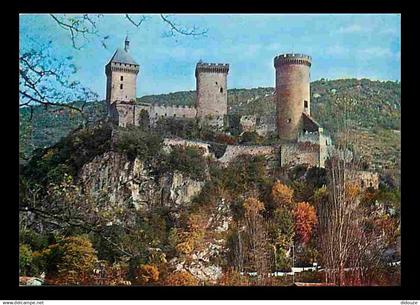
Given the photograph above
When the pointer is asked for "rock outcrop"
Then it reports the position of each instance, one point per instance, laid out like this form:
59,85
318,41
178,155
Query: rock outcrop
122,180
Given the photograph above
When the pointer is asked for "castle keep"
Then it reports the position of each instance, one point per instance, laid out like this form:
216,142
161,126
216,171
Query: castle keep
301,139
121,75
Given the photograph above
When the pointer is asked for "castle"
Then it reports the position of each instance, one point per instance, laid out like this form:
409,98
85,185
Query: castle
301,140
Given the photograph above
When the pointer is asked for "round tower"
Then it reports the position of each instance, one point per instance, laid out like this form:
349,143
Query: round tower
211,85
292,93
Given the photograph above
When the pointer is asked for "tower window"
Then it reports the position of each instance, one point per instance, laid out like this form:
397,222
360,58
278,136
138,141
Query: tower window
305,103
221,90
122,78
121,86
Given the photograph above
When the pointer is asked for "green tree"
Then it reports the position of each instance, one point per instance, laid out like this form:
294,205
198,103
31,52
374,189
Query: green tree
25,259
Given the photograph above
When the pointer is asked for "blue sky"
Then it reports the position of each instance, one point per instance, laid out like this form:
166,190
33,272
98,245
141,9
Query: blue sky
341,46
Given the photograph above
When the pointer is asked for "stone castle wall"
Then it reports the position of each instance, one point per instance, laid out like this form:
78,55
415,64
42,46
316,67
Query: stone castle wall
367,179
201,145
300,153
232,151
124,113
157,111
248,123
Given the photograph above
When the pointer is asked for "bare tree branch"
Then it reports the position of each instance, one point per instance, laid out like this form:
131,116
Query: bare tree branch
138,23
77,26
45,80
176,28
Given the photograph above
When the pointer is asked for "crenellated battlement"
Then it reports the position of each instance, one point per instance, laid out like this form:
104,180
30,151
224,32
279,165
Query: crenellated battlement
299,59
211,67
164,106
121,67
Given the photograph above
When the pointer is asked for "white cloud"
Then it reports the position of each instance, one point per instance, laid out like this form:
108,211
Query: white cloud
352,28
336,50
390,31
377,52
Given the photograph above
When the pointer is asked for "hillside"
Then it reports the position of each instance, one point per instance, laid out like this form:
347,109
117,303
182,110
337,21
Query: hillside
373,110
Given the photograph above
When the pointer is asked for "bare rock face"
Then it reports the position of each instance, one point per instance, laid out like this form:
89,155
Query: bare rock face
183,189
203,263
120,180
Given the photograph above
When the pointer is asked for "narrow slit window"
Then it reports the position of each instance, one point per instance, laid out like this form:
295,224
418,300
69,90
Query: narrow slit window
221,90
305,103
121,86
122,78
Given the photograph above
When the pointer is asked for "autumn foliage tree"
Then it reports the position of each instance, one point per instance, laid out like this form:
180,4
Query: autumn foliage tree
255,236
282,195
180,278
147,274
305,220
74,259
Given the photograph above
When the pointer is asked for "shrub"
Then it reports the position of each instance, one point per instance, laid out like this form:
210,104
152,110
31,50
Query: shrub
68,155
218,149
188,160
147,274
233,278
71,261
137,142
180,278
25,259
250,137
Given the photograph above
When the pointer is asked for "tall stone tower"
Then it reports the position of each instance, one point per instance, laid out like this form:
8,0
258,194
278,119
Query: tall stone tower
121,75
292,93
211,86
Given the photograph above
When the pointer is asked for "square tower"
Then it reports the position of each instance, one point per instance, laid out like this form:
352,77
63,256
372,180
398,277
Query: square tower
121,73
211,86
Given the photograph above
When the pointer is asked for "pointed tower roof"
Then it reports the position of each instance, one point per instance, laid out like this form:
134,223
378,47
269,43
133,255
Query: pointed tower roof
121,56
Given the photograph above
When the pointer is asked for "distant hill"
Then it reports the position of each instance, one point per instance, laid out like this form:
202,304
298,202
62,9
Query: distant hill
373,111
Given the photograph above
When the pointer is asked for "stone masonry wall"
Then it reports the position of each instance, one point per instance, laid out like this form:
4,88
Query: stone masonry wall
300,153
157,111
232,151
248,123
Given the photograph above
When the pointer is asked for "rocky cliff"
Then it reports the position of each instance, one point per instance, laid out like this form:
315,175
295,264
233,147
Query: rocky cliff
121,180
